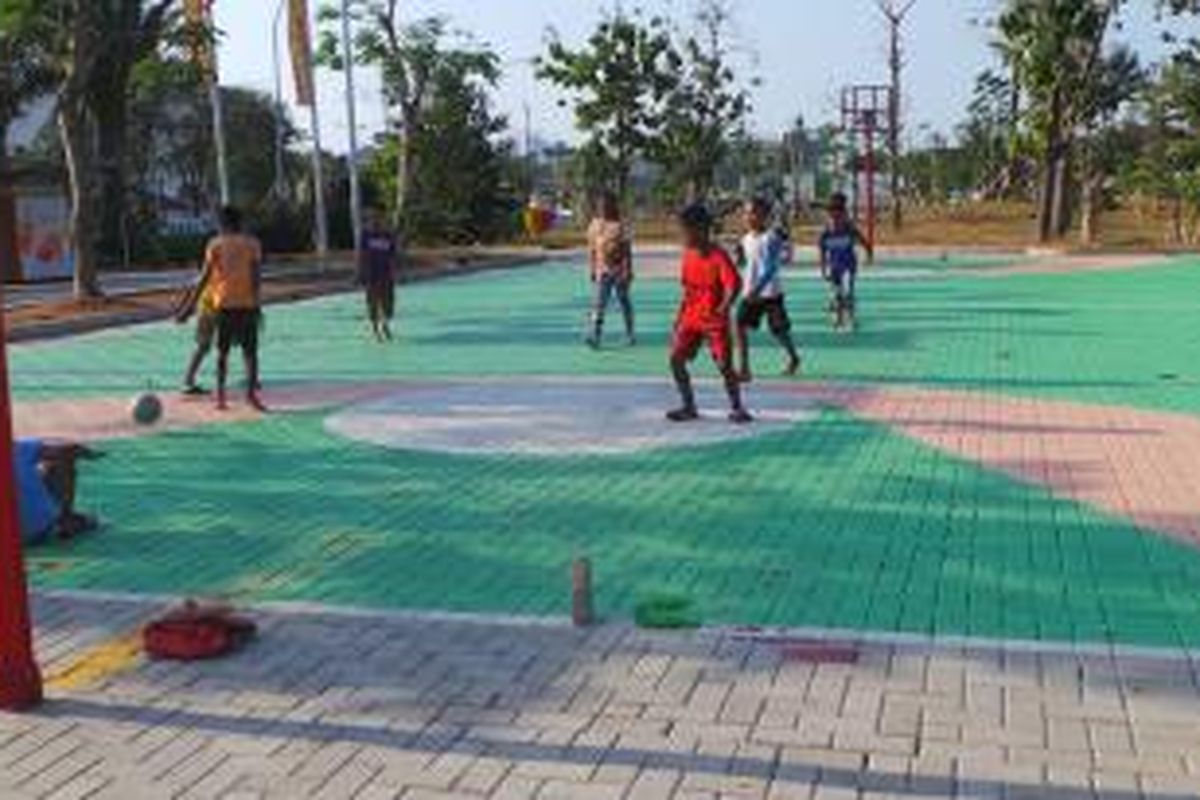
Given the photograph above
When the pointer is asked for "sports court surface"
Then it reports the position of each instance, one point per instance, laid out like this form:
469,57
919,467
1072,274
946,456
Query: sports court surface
957,559
1003,451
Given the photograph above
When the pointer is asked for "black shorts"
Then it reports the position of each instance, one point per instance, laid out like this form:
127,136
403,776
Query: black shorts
751,314
238,327
381,300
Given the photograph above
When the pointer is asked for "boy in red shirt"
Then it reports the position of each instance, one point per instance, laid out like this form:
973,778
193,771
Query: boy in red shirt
711,285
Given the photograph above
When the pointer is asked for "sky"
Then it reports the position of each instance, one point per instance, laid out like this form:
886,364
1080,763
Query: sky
803,51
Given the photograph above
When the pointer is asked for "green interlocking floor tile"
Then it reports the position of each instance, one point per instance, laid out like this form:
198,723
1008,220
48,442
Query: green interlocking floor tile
281,510
835,523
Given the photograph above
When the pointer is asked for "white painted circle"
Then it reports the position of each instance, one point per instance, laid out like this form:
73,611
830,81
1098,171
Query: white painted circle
558,418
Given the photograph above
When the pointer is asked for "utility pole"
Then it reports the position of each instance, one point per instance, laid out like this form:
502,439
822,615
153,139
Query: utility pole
895,12
356,210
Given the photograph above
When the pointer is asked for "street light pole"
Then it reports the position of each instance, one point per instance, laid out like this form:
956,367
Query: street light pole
895,12
218,116
356,220
279,187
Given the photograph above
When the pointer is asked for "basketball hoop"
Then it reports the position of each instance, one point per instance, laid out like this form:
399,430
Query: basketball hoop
866,112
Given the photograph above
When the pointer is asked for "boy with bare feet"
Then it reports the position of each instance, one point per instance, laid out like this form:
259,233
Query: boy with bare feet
710,286
233,278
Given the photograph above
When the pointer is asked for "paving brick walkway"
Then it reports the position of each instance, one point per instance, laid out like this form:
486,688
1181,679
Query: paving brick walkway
355,705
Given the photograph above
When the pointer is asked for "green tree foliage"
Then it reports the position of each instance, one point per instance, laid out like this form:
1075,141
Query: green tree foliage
93,47
461,188
415,60
1168,165
618,83
1101,142
990,136
705,109
1055,48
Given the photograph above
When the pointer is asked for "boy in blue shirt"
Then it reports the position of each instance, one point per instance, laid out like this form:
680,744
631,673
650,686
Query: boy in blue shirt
45,476
838,247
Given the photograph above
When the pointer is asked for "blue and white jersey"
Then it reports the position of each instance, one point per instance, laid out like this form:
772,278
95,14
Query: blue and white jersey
840,246
765,254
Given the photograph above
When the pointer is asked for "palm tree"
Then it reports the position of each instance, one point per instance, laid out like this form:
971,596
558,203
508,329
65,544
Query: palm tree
1055,48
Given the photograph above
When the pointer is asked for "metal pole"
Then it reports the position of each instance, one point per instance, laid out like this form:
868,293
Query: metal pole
322,218
871,180
218,115
279,187
20,680
352,121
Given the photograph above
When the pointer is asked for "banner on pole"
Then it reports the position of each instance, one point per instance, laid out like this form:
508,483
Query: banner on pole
44,236
300,37
201,36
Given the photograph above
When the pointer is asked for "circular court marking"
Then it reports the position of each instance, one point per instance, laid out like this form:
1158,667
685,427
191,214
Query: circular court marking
557,418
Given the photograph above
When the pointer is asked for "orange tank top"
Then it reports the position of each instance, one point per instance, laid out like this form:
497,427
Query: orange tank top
233,261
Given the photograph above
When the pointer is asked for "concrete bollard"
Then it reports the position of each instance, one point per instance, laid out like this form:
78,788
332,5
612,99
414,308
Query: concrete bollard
581,593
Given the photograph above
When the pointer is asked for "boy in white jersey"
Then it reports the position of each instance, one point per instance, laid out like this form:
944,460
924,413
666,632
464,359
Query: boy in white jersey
764,251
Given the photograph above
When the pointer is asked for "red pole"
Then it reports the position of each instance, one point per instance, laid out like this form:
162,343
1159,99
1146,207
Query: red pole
871,181
20,680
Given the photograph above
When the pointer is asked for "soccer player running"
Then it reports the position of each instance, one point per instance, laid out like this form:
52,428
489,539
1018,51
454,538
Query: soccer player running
764,252
233,278
838,247
377,274
710,287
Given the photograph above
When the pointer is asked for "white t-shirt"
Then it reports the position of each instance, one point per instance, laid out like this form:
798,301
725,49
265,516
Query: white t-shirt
764,264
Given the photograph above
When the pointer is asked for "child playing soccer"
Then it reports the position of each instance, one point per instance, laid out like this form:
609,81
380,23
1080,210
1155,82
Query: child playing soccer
764,251
710,286
377,274
838,247
200,304
610,254
233,276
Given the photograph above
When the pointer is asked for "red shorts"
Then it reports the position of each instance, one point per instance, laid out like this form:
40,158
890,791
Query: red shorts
689,338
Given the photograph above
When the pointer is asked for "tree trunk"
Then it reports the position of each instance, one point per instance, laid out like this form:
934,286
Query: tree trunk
1051,164
1177,219
404,174
78,150
1061,217
112,119
10,256
1088,208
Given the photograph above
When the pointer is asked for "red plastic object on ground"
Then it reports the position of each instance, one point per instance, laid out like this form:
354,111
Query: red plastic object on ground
195,632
